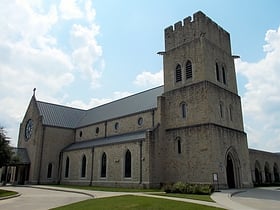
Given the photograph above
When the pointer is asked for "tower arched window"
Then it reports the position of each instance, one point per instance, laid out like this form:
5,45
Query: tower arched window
188,69
179,146
217,72
224,75
49,175
67,163
103,165
221,109
184,110
178,73
84,166
127,164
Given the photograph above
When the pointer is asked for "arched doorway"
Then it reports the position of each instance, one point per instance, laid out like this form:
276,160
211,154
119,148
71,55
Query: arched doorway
230,172
258,174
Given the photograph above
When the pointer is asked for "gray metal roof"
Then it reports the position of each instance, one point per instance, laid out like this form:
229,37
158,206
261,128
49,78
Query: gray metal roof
60,116
68,117
132,104
108,140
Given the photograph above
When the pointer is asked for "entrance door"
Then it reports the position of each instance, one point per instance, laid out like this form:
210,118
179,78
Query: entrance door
230,172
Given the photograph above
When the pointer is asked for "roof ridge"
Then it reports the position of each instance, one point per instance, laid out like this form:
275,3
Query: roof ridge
125,97
60,105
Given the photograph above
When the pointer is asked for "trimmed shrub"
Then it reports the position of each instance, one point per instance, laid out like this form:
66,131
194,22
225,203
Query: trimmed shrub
185,188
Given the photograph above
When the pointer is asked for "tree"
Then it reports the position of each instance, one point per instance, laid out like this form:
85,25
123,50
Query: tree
5,148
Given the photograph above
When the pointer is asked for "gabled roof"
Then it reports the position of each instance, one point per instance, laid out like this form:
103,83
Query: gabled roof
60,116
68,117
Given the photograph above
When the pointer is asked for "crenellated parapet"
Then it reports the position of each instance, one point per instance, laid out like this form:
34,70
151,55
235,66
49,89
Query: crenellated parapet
190,29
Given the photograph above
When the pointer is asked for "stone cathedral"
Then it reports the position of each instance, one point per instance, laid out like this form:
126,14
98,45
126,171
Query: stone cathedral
190,129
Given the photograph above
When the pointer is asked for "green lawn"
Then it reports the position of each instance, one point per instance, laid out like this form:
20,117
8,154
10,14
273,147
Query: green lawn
5,193
133,202
188,196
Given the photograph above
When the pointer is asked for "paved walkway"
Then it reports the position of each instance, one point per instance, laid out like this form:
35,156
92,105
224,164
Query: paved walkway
38,197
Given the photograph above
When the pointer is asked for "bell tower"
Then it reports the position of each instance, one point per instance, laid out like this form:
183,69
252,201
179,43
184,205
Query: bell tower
203,115
198,50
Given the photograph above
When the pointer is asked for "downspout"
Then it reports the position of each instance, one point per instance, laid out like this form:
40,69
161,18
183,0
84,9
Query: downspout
60,167
41,156
153,118
92,160
140,165
105,129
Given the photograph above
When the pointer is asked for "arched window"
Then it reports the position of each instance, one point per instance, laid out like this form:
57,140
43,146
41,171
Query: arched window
230,112
127,164
67,162
178,73
221,110
217,72
188,69
103,165
184,110
179,145
84,166
49,175
224,75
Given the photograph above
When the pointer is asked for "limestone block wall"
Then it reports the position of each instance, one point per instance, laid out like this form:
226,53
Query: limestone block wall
261,159
75,167
117,126
203,151
54,140
115,165
34,143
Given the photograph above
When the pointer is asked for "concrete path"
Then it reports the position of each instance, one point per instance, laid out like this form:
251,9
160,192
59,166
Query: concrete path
39,197
249,199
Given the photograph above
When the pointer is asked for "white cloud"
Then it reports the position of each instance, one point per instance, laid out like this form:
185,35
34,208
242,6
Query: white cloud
70,10
30,55
261,100
86,51
94,102
148,79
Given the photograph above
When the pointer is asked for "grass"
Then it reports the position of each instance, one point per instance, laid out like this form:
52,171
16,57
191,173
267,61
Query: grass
189,196
5,193
129,202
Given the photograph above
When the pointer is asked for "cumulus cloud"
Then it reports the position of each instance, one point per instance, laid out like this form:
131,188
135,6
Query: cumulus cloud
32,54
147,79
70,10
261,100
94,102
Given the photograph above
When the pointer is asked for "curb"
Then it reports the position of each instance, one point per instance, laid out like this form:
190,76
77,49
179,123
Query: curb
61,190
10,196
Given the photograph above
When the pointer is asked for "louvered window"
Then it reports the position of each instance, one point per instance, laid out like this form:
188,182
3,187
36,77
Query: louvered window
189,70
178,73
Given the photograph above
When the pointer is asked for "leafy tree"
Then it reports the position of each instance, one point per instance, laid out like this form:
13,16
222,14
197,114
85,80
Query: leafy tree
5,148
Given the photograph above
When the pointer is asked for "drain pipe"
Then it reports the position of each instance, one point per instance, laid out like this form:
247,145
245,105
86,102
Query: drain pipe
141,159
92,160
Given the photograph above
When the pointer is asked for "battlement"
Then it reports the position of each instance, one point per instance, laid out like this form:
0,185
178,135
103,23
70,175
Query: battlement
191,29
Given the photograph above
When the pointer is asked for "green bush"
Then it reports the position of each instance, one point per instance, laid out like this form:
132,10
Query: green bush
186,188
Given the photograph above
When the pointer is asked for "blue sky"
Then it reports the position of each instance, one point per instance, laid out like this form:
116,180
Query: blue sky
84,53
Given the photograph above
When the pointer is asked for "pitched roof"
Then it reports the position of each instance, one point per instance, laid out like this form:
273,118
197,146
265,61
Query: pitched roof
108,140
129,105
68,117
60,116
